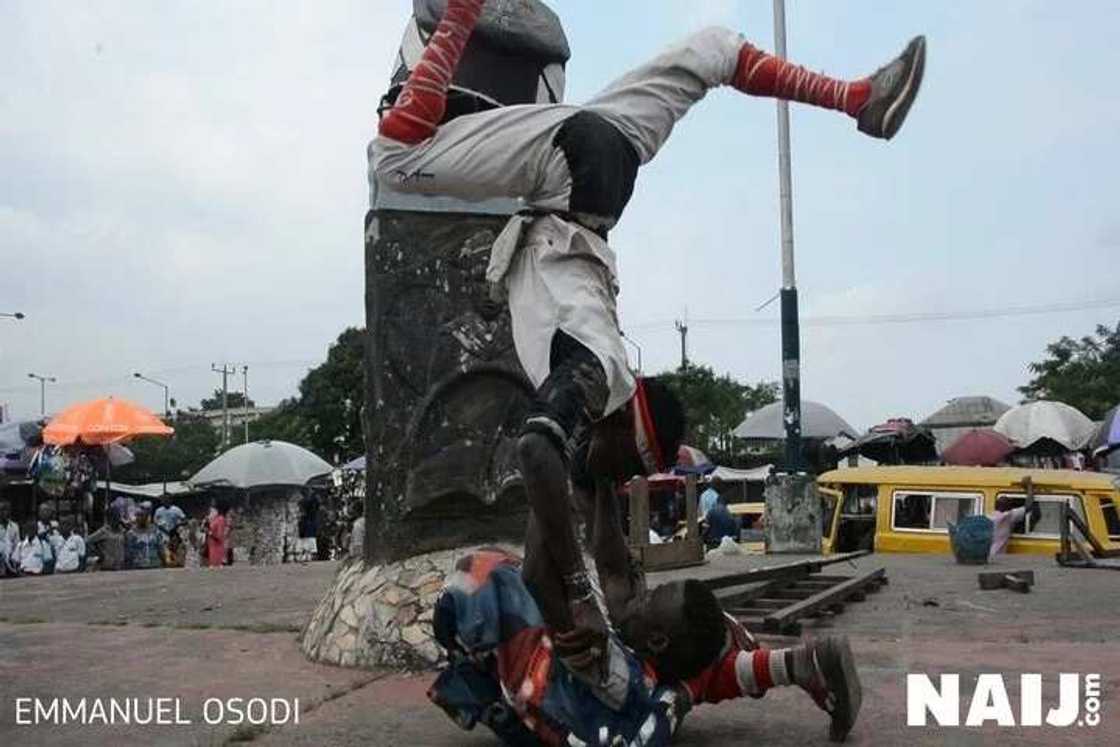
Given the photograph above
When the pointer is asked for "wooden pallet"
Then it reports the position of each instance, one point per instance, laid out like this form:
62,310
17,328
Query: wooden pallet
774,600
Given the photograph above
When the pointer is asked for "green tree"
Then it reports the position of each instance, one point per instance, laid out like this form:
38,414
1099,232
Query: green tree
326,416
715,405
194,443
234,399
1084,373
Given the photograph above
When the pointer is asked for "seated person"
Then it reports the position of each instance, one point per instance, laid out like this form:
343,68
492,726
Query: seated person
720,523
70,552
33,553
503,671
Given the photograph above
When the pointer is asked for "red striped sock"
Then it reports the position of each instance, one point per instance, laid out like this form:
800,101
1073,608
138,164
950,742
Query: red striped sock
762,74
422,102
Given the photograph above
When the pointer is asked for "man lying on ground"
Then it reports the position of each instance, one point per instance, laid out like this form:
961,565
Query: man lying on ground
502,670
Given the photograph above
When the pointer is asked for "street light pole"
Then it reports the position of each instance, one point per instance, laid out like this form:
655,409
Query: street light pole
42,390
791,342
166,413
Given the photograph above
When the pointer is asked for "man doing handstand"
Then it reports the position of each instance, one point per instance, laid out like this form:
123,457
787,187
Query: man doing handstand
574,167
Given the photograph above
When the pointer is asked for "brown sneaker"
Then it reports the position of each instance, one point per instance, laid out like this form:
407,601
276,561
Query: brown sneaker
836,687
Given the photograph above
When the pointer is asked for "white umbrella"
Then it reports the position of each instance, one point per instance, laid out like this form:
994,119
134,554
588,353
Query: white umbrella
262,463
1028,424
817,421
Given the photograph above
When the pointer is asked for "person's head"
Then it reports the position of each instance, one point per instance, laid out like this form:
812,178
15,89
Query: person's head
165,500
66,526
221,505
680,629
5,512
642,438
29,530
46,513
1004,504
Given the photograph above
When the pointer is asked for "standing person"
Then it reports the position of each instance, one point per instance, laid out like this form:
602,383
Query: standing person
142,542
217,535
168,517
108,543
307,546
709,498
575,168
9,540
32,553
71,551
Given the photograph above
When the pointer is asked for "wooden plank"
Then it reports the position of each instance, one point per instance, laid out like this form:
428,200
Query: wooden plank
792,569
672,555
692,521
779,619
639,512
995,579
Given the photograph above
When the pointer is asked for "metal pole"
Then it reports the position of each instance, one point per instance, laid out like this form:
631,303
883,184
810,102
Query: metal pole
791,344
682,327
245,400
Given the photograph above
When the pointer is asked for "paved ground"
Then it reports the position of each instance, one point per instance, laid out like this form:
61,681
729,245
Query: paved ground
224,634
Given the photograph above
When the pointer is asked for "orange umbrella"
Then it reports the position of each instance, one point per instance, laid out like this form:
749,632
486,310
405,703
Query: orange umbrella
103,421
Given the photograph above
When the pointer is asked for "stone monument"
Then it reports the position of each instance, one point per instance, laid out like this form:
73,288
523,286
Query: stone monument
445,394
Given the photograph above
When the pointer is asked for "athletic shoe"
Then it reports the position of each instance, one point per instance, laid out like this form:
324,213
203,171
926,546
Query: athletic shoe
893,89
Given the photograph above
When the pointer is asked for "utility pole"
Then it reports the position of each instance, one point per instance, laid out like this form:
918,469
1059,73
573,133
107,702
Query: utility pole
245,399
682,327
225,371
791,342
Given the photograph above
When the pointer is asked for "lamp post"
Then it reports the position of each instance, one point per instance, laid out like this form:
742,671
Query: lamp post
13,315
166,411
42,390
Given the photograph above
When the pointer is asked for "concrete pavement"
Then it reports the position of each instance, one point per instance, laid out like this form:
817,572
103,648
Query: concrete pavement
196,635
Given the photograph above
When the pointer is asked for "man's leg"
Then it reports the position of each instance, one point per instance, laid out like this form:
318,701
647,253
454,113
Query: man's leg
574,394
824,668
646,103
504,152
422,102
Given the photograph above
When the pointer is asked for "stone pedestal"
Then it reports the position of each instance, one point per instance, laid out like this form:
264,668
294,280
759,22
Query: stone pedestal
446,395
793,515
378,616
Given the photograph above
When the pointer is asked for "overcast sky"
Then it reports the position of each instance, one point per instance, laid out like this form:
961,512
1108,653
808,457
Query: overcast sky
183,183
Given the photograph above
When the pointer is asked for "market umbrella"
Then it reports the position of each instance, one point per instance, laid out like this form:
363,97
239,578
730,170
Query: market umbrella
817,421
691,460
897,441
1038,425
1106,437
262,463
357,464
979,447
103,421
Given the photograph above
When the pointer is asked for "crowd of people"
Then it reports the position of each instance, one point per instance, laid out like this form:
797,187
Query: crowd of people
134,536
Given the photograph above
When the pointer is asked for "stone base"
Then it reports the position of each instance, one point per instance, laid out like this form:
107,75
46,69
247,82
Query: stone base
380,616
793,515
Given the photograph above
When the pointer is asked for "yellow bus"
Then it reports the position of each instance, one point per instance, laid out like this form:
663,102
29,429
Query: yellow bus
909,508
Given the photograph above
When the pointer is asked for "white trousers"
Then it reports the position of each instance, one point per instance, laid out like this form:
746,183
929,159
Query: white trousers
508,152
